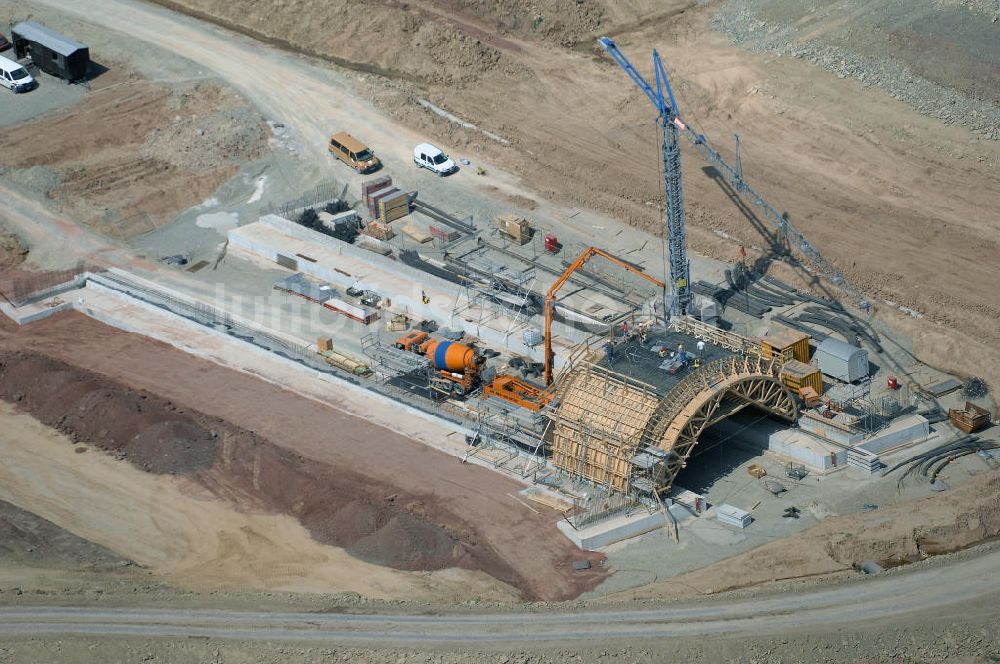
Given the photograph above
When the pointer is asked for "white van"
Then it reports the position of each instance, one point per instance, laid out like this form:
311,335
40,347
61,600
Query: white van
15,77
433,159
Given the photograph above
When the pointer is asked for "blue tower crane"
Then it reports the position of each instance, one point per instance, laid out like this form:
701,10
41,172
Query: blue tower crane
670,123
672,127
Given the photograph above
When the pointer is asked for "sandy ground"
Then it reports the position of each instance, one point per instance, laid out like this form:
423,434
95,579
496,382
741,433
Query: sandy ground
891,535
870,182
132,154
473,501
187,537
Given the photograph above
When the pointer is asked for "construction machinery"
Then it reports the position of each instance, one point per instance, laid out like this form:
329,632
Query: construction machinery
732,176
550,296
518,392
459,365
411,342
673,202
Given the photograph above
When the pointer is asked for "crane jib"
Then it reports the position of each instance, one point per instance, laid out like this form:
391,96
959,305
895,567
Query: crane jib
674,202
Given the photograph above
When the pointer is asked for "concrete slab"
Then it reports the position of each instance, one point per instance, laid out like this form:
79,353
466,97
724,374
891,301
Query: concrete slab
619,528
345,265
800,447
903,431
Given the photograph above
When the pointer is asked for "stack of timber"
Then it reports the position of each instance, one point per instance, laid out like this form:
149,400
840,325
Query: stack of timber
369,187
324,346
393,206
375,197
379,231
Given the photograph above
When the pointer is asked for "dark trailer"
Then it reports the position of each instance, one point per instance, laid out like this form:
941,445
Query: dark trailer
53,53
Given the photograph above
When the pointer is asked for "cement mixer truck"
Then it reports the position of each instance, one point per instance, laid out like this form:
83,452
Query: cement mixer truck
458,364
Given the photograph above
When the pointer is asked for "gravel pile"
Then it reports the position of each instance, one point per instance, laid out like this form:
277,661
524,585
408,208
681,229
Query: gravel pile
740,21
13,250
201,143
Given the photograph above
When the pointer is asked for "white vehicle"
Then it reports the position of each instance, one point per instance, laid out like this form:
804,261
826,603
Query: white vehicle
15,77
433,159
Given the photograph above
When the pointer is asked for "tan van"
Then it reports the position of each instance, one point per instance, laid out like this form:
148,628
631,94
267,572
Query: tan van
353,152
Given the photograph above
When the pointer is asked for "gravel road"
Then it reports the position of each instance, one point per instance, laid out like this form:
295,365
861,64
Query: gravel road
890,596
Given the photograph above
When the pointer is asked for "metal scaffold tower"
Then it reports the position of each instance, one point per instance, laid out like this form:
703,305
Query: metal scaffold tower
673,204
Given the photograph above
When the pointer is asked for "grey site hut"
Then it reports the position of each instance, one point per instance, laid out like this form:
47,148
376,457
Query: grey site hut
52,52
841,360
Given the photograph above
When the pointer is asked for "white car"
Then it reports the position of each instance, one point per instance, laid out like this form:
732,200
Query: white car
15,77
433,159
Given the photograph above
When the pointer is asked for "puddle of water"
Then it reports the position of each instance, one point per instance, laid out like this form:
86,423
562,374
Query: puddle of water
220,221
258,191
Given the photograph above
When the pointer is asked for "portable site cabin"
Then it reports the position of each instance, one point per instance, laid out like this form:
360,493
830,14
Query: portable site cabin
52,52
841,360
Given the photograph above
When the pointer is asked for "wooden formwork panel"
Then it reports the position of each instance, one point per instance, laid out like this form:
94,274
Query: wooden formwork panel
598,426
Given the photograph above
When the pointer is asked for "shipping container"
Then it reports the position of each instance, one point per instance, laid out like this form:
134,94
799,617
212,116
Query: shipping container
796,375
787,343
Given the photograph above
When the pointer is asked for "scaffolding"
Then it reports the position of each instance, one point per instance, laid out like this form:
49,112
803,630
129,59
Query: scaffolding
620,435
390,362
493,292
506,442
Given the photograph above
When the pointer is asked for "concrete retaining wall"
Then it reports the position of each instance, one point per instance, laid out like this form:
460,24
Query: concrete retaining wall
800,447
616,529
829,431
905,430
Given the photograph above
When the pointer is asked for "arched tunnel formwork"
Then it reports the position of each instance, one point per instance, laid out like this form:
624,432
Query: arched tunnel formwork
619,433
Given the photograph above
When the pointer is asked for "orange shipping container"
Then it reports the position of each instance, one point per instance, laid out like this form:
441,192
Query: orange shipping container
787,343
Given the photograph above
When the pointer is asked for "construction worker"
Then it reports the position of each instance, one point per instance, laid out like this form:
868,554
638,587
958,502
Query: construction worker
424,298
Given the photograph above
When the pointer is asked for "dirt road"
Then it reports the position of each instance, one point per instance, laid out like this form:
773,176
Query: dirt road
890,596
896,199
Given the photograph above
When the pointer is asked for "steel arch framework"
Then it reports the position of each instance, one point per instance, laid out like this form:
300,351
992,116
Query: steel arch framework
715,404
604,422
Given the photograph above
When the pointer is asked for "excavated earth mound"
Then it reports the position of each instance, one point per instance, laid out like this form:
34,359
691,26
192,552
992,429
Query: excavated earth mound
337,505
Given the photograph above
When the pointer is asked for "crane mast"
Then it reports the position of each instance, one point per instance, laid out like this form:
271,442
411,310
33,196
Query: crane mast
673,191
674,202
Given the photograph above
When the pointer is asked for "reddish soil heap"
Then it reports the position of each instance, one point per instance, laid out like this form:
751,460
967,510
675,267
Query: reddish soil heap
372,520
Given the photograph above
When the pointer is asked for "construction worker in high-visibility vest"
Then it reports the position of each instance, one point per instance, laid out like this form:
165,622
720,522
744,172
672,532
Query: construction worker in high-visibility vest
424,298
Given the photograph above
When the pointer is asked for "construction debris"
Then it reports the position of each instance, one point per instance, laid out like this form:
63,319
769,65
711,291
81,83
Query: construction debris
970,419
975,388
